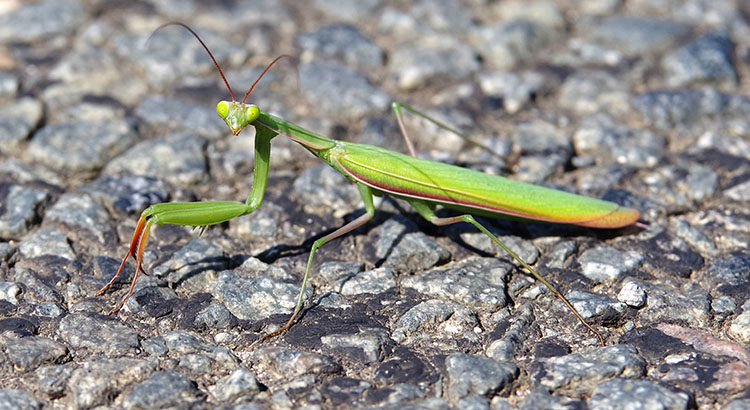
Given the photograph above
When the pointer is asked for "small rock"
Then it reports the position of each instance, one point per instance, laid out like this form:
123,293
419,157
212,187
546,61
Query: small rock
621,393
707,59
18,399
339,90
631,294
241,383
607,264
476,375
163,389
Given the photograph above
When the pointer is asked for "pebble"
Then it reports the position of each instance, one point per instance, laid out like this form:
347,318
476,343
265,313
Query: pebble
583,371
17,121
631,294
338,90
434,58
343,43
185,167
472,374
94,145
255,298
164,388
615,393
21,208
346,10
635,102
635,35
707,59
18,399
20,24
97,334
404,248
476,282
607,264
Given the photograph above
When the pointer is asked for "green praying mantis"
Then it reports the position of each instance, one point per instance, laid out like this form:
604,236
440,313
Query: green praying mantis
377,171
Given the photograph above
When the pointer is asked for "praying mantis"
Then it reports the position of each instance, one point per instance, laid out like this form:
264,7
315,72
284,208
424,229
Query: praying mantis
377,171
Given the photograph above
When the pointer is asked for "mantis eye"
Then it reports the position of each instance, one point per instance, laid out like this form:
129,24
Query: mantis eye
252,112
222,108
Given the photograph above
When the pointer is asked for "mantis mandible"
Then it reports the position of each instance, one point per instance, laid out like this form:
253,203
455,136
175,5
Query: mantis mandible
376,171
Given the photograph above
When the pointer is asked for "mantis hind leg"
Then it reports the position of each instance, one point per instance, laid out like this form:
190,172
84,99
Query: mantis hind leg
366,193
426,210
399,108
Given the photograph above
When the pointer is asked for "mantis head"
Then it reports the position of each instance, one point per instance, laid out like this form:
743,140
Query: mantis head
237,115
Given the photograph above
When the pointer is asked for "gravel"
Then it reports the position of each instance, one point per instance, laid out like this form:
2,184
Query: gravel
642,102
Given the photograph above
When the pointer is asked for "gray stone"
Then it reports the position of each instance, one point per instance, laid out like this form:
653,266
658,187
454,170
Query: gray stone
516,90
167,114
637,36
80,145
436,317
255,298
129,194
739,328
165,388
214,316
46,241
186,165
600,137
21,24
95,382
97,334
404,248
287,364
691,110
9,291
8,84
542,12
476,375
337,90
540,398
475,282
17,120
240,384
723,305
52,380
341,42
631,294
506,347
507,44
324,188
670,301
194,266
373,281
18,399
607,264
707,59
442,15
21,208
86,219
191,349
370,342
433,58
739,192
30,352
620,393
347,10
584,370
590,305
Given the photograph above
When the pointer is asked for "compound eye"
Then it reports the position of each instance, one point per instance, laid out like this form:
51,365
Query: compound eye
222,108
252,112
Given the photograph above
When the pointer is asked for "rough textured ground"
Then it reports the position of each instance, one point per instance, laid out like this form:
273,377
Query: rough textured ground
642,102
